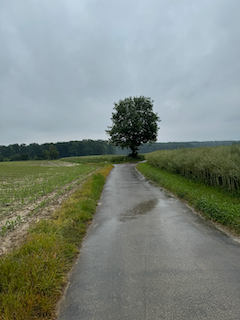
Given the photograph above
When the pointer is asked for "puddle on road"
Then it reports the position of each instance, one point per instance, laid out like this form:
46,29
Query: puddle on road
140,209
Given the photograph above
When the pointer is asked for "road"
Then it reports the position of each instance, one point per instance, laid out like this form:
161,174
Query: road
147,256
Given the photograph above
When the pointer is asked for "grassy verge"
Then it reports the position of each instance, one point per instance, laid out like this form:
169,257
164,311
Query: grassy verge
215,203
33,275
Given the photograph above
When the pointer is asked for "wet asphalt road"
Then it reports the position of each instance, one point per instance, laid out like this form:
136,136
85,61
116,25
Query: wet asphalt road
148,256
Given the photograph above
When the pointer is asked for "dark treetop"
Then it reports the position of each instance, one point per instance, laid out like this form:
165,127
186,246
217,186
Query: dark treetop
134,123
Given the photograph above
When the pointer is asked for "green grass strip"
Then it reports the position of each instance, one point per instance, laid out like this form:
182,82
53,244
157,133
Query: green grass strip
214,203
101,159
32,276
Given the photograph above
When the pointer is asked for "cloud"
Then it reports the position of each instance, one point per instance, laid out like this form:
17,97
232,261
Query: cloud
64,63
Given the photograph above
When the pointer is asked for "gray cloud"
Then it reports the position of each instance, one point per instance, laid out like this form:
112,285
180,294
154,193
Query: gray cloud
64,63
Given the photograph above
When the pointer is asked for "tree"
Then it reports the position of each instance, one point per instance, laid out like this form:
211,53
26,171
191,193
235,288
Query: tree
134,123
52,152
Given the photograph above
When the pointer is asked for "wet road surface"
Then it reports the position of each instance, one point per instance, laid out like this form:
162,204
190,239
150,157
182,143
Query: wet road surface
148,256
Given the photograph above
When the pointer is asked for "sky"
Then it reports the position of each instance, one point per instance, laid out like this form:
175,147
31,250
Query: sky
64,63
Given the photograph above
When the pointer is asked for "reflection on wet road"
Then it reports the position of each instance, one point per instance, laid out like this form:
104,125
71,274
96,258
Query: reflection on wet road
141,208
148,256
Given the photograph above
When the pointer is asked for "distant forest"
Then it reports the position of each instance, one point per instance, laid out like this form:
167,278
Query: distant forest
146,148
34,151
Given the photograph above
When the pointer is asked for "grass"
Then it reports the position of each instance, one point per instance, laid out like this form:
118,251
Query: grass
103,159
24,182
215,203
216,166
32,276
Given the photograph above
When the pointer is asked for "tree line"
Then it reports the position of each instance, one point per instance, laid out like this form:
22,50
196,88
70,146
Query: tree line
35,151
147,147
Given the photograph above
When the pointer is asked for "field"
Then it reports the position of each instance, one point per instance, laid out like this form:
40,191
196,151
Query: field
215,166
108,158
31,188
47,192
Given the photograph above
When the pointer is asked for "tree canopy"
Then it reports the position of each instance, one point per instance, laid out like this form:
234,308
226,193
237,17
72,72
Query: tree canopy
134,123
52,152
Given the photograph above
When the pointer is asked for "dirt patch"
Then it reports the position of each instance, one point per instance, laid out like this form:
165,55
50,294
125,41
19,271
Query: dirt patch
42,208
59,164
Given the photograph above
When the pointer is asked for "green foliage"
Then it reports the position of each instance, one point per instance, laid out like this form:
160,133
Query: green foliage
103,159
35,151
10,225
216,166
45,151
52,152
147,148
134,123
32,277
215,203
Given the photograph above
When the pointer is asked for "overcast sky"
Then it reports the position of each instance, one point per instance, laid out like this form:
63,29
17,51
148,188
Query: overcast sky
63,64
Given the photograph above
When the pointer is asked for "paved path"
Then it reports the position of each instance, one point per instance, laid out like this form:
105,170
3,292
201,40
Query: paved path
147,256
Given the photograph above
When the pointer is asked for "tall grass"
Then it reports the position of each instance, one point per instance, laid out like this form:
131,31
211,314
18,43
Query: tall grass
216,166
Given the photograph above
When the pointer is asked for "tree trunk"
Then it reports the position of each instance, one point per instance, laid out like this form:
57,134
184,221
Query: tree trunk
134,152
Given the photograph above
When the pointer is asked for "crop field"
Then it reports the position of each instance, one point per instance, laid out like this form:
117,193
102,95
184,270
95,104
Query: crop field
102,158
215,166
22,183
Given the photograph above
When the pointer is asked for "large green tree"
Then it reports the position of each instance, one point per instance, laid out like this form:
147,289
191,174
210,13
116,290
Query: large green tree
133,123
